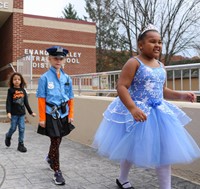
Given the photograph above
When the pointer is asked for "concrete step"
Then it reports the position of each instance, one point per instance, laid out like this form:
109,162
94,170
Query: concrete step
2,99
2,112
3,105
3,96
4,118
3,90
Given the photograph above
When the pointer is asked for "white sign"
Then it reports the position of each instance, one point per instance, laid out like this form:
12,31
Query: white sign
3,5
40,58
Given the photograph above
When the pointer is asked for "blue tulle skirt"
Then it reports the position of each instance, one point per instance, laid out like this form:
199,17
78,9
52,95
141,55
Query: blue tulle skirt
160,140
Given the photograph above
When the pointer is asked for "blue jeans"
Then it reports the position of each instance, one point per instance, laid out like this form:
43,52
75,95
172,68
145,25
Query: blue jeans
17,121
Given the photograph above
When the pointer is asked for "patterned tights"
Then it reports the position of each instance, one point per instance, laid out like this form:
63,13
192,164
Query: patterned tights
54,152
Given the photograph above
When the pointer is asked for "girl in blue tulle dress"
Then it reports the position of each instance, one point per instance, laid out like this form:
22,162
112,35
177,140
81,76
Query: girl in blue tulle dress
140,127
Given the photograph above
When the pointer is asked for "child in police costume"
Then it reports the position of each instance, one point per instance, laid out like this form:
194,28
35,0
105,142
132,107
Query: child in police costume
55,103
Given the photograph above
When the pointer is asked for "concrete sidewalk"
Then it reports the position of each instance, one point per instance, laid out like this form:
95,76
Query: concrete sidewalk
82,168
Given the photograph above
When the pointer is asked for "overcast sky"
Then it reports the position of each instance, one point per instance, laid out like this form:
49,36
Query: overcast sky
53,8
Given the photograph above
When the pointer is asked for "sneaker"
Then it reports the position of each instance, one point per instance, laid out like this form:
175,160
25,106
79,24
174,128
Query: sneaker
21,147
7,141
58,178
49,162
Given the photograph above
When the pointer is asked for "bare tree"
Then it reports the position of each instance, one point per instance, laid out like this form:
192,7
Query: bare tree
197,48
177,20
134,15
103,13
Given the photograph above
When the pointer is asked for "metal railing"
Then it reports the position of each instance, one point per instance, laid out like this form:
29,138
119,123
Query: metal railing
179,77
25,67
185,77
101,82
183,72
10,65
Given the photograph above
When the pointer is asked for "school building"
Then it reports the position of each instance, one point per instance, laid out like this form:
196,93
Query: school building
22,34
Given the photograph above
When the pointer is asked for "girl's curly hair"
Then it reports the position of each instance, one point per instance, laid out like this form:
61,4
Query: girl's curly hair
22,84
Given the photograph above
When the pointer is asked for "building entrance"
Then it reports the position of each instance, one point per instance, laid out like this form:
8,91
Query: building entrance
6,11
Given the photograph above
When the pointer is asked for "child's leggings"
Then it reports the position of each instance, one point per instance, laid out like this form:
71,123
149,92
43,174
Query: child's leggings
163,174
125,167
54,152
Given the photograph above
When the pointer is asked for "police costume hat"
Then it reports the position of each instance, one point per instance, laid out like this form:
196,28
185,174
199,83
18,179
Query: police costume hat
57,51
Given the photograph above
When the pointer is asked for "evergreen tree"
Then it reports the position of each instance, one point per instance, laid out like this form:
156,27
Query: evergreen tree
70,13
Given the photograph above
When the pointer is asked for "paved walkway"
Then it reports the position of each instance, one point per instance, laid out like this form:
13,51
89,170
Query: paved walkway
81,167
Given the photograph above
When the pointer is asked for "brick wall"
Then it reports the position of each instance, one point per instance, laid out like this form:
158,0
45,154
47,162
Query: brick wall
17,30
77,42
18,38
57,35
17,35
18,4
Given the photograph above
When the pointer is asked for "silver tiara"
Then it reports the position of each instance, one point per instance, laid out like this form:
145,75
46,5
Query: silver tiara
149,27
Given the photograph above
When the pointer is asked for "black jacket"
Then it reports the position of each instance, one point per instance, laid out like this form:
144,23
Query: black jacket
16,102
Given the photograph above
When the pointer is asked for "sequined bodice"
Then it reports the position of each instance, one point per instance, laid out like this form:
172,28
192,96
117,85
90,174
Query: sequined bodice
147,85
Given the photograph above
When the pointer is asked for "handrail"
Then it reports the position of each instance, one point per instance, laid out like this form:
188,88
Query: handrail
184,77
7,66
183,66
98,73
105,82
11,65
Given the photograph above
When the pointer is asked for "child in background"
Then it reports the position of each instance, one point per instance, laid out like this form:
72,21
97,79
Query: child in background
140,127
55,101
16,102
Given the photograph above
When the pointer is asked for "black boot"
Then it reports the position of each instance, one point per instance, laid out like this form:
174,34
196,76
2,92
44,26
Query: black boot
7,141
21,147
